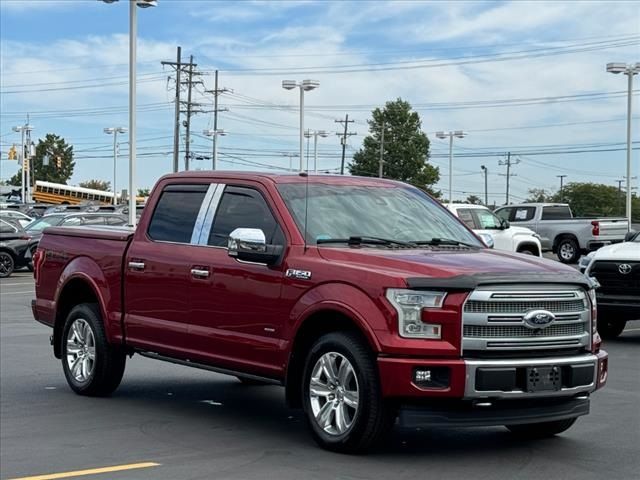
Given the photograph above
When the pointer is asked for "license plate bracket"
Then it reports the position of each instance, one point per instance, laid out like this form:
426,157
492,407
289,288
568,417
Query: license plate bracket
542,379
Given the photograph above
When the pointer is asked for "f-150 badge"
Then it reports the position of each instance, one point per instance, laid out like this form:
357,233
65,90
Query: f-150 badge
299,274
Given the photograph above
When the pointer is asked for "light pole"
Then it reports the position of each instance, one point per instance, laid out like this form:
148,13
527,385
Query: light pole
23,129
450,135
214,134
304,86
486,192
315,134
133,34
629,70
115,131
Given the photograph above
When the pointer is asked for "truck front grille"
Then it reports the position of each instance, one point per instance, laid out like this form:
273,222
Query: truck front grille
493,319
613,281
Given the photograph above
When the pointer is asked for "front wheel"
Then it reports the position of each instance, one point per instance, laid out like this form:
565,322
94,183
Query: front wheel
609,329
91,365
342,395
7,265
541,430
568,251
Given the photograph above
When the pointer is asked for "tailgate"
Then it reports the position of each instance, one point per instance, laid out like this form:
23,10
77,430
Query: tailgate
613,229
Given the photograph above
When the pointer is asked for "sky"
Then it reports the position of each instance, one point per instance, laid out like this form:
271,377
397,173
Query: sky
522,77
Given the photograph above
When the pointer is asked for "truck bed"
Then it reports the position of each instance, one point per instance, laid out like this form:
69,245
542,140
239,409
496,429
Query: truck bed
68,249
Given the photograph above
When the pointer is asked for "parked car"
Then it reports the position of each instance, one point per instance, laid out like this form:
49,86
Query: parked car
505,237
617,269
35,229
364,297
14,247
560,232
20,217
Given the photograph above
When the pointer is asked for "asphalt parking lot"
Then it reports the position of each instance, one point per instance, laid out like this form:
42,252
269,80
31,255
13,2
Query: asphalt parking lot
182,423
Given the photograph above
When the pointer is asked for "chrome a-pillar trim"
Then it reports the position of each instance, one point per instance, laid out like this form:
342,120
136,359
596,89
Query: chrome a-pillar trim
470,391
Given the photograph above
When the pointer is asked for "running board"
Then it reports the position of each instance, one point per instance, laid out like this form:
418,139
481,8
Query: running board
224,371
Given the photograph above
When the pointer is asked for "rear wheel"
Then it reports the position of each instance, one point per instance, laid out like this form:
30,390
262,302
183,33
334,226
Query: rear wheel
609,328
568,251
541,430
342,396
91,365
7,264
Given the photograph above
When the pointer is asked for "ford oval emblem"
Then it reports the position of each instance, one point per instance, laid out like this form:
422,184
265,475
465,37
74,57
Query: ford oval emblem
539,318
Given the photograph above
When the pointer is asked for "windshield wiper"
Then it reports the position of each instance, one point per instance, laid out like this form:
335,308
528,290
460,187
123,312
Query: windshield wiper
445,241
365,240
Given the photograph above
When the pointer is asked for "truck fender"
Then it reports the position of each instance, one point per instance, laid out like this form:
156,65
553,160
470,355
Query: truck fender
342,298
87,271
346,300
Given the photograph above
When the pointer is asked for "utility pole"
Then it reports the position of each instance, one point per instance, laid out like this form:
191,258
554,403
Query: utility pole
561,177
508,162
343,139
176,129
188,121
380,165
216,92
486,192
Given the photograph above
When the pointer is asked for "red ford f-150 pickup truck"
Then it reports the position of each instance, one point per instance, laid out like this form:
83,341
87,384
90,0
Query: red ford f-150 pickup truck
365,298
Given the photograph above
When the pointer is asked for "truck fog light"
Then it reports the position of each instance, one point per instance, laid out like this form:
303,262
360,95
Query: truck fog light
432,377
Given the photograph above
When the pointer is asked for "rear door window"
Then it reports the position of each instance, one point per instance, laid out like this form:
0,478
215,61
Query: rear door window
560,212
176,213
242,207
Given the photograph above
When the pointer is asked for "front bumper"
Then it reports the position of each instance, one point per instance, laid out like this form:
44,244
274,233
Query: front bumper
503,379
619,307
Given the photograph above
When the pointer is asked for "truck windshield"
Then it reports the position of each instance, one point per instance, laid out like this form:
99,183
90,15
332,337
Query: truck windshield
398,213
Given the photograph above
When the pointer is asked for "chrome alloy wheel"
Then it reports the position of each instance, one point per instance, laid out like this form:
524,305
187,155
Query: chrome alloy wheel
567,251
333,393
81,350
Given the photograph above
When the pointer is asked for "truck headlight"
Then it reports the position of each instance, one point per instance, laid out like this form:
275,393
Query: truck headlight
594,311
409,305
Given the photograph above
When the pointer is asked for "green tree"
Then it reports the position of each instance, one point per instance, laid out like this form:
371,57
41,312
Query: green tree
473,199
96,185
405,147
143,192
540,195
60,158
592,199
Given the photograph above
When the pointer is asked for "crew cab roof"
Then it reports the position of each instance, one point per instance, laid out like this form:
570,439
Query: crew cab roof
282,178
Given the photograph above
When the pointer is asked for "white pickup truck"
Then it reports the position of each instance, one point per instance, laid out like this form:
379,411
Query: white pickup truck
505,237
568,237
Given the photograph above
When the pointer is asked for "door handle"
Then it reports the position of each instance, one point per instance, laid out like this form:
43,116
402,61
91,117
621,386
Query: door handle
200,273
136,265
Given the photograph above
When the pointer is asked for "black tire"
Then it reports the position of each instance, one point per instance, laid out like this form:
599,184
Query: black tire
7,264
567,250
527,251
609,329
541,430
251,381
374,416
109,360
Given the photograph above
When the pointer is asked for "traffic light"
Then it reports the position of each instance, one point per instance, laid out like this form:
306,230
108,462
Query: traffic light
13,154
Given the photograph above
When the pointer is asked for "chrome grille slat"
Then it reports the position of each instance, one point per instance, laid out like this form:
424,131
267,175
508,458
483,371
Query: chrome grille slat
560,306
520,331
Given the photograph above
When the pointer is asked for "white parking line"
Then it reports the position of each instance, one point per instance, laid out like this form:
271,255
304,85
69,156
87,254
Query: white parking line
17,293
14,284
632,329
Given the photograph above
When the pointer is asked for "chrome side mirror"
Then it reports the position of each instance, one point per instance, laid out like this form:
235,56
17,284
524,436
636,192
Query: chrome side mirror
487,239
250,245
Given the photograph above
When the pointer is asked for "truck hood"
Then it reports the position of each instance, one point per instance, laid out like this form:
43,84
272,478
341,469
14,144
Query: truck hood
629,251
445,263
521,231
